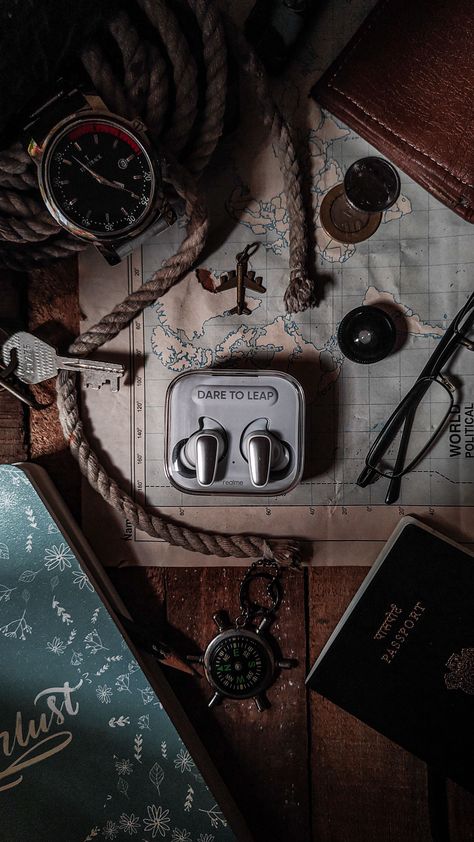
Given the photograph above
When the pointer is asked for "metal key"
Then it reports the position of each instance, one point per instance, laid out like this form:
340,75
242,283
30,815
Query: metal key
38,361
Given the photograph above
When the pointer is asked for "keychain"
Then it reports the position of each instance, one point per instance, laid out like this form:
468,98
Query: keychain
27,360
241,278
240,662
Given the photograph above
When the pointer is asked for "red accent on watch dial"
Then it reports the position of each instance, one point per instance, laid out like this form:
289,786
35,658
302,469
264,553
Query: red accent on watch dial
105,128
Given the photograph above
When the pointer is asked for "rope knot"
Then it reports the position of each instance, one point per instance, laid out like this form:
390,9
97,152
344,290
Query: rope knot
192,137
300,292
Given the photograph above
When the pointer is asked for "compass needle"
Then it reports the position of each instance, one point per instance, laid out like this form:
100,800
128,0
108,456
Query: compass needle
240,662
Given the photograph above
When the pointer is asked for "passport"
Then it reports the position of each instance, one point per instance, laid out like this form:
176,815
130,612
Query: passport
401,659
93,743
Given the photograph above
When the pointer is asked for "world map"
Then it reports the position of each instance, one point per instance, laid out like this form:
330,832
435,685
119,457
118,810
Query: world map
417,266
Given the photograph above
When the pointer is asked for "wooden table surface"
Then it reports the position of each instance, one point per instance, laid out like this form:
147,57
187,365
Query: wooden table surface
304,770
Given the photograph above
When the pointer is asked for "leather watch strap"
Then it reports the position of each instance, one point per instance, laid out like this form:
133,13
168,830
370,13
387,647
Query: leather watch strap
168,213
157,227
61,103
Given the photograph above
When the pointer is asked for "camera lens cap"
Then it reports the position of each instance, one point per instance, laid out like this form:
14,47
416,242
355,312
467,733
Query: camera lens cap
366,335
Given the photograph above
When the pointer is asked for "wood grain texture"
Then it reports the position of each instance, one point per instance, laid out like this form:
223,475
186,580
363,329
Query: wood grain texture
305,770
262,757
13,438
361,780
461,814
53,315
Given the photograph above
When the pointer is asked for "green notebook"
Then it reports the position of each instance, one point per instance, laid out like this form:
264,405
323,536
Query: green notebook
93,744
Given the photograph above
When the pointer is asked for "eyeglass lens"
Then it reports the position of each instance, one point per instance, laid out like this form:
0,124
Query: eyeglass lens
425,413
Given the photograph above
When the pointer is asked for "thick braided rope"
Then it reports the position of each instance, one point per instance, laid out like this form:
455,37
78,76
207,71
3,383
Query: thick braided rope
25,218
26,258
16,169
145,84
104,79
184,73
240,546
300,292
125,97
174,268
146,75
215,59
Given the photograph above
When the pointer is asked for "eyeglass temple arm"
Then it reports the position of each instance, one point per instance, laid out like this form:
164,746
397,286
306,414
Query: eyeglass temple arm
434,365
395,483
368,474
432,368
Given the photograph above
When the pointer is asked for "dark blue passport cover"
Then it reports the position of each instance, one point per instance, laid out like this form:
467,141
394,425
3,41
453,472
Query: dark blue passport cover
401,659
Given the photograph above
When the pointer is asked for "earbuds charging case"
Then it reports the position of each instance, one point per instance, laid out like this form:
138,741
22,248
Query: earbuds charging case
234,432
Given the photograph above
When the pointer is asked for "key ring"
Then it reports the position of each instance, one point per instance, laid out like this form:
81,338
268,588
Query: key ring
9,370
251,608
249,250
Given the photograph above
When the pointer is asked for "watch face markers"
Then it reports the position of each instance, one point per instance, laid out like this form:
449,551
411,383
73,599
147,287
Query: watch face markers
97,194
124,162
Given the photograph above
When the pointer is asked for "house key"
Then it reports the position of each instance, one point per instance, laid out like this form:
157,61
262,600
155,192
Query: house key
37,361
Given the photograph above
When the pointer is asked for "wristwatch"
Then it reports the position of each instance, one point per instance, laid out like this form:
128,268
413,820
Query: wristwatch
98,173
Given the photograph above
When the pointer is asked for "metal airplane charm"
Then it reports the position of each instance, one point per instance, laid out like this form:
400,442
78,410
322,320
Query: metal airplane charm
242,279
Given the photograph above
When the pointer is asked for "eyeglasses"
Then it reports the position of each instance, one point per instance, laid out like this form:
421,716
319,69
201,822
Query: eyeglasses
422,414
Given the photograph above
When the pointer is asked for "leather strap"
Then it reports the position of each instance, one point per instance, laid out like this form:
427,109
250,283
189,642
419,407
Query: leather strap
126,248
62,101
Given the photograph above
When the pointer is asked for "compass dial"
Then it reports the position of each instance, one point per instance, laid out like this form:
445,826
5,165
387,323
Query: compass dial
239,665
99,178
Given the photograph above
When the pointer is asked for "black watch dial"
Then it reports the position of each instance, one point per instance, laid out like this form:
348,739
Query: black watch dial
239,666
98,178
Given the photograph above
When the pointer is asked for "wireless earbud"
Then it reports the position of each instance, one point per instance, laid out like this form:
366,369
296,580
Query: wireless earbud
264,452
203,451
234,432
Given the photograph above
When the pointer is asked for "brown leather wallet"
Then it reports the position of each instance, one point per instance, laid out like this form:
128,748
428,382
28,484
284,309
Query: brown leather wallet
405,83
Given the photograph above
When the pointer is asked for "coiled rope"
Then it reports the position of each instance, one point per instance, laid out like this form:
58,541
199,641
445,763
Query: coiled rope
191,129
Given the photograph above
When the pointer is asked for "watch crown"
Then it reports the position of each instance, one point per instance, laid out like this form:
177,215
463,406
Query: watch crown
138,125
35,151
